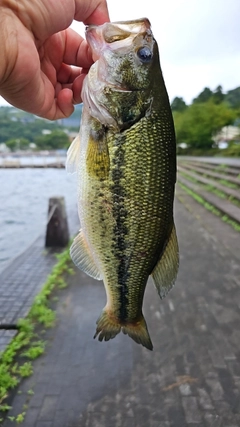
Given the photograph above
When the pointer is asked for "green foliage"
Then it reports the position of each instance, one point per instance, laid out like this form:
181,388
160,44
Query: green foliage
15,124
233,150
218,95
198,124
178,104
20,418
204,96
55,140
233,98
5,407
17,144
37,348
25,128
25,370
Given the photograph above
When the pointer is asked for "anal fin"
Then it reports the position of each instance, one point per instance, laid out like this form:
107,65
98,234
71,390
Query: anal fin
82,257
165,271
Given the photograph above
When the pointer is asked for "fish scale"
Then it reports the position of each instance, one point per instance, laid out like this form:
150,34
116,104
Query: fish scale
126,164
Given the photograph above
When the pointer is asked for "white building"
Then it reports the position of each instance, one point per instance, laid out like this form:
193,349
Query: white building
226,134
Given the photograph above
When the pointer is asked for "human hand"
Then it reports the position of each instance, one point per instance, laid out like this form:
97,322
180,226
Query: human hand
38,51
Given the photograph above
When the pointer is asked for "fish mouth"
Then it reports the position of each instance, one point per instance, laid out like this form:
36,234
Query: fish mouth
107,35
134,23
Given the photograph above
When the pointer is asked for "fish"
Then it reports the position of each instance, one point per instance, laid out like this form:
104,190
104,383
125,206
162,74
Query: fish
125,159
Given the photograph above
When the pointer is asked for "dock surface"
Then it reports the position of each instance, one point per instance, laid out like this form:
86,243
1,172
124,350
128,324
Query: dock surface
192,377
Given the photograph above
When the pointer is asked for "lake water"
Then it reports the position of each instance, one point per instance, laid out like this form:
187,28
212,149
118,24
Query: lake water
24,195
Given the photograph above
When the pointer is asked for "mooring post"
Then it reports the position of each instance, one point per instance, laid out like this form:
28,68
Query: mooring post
57,234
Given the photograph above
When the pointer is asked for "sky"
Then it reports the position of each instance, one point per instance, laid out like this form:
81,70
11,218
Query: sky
199,41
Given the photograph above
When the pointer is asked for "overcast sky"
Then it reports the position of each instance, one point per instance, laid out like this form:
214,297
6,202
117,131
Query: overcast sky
199,41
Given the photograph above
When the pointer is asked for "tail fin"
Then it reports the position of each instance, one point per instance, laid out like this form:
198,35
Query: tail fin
108,327
139,333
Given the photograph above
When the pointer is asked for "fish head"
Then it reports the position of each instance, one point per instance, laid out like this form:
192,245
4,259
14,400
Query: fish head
120,82
124,51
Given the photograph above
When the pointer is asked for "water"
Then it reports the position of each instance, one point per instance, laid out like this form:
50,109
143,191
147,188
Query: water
24,195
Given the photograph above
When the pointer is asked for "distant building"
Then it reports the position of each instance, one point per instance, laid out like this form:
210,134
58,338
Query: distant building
4,148
226,134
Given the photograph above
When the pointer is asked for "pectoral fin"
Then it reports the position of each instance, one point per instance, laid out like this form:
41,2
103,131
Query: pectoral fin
82,257
73,155
165,272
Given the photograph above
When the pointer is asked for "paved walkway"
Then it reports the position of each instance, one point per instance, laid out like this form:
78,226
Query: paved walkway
192,377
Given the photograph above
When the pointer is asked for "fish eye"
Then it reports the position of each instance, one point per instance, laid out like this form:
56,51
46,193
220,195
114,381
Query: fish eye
145,54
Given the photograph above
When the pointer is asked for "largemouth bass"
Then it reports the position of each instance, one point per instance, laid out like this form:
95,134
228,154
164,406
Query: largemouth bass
126,164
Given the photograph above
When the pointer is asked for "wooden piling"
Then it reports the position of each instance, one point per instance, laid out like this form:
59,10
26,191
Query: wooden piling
57,234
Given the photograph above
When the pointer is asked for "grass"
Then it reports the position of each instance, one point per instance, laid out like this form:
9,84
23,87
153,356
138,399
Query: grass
16,360
190,178
210,207
221,194
229,184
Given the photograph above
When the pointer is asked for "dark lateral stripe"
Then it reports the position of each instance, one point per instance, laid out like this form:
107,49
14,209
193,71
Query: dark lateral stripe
120,230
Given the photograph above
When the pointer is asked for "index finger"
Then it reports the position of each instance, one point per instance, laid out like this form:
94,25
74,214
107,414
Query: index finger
77,51
96,12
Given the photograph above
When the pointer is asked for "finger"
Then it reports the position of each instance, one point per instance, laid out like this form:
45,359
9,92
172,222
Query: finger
67,73
77,51
77,88
64,104
96,12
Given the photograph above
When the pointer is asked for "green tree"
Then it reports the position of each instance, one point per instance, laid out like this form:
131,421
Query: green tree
11,144
17,144
197,125
178,104
55,140
15,124
204,96
218,95
233,98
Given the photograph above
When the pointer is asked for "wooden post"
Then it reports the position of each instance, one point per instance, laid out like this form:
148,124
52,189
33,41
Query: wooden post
57,234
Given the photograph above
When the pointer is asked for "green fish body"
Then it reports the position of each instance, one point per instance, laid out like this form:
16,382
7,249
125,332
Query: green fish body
126,164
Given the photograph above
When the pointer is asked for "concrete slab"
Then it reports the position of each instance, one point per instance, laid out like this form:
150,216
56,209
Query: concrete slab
224,206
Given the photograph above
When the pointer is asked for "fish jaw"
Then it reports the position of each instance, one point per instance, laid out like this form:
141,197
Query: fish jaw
121,33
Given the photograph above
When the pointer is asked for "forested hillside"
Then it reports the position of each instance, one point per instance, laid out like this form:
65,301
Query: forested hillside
197,124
